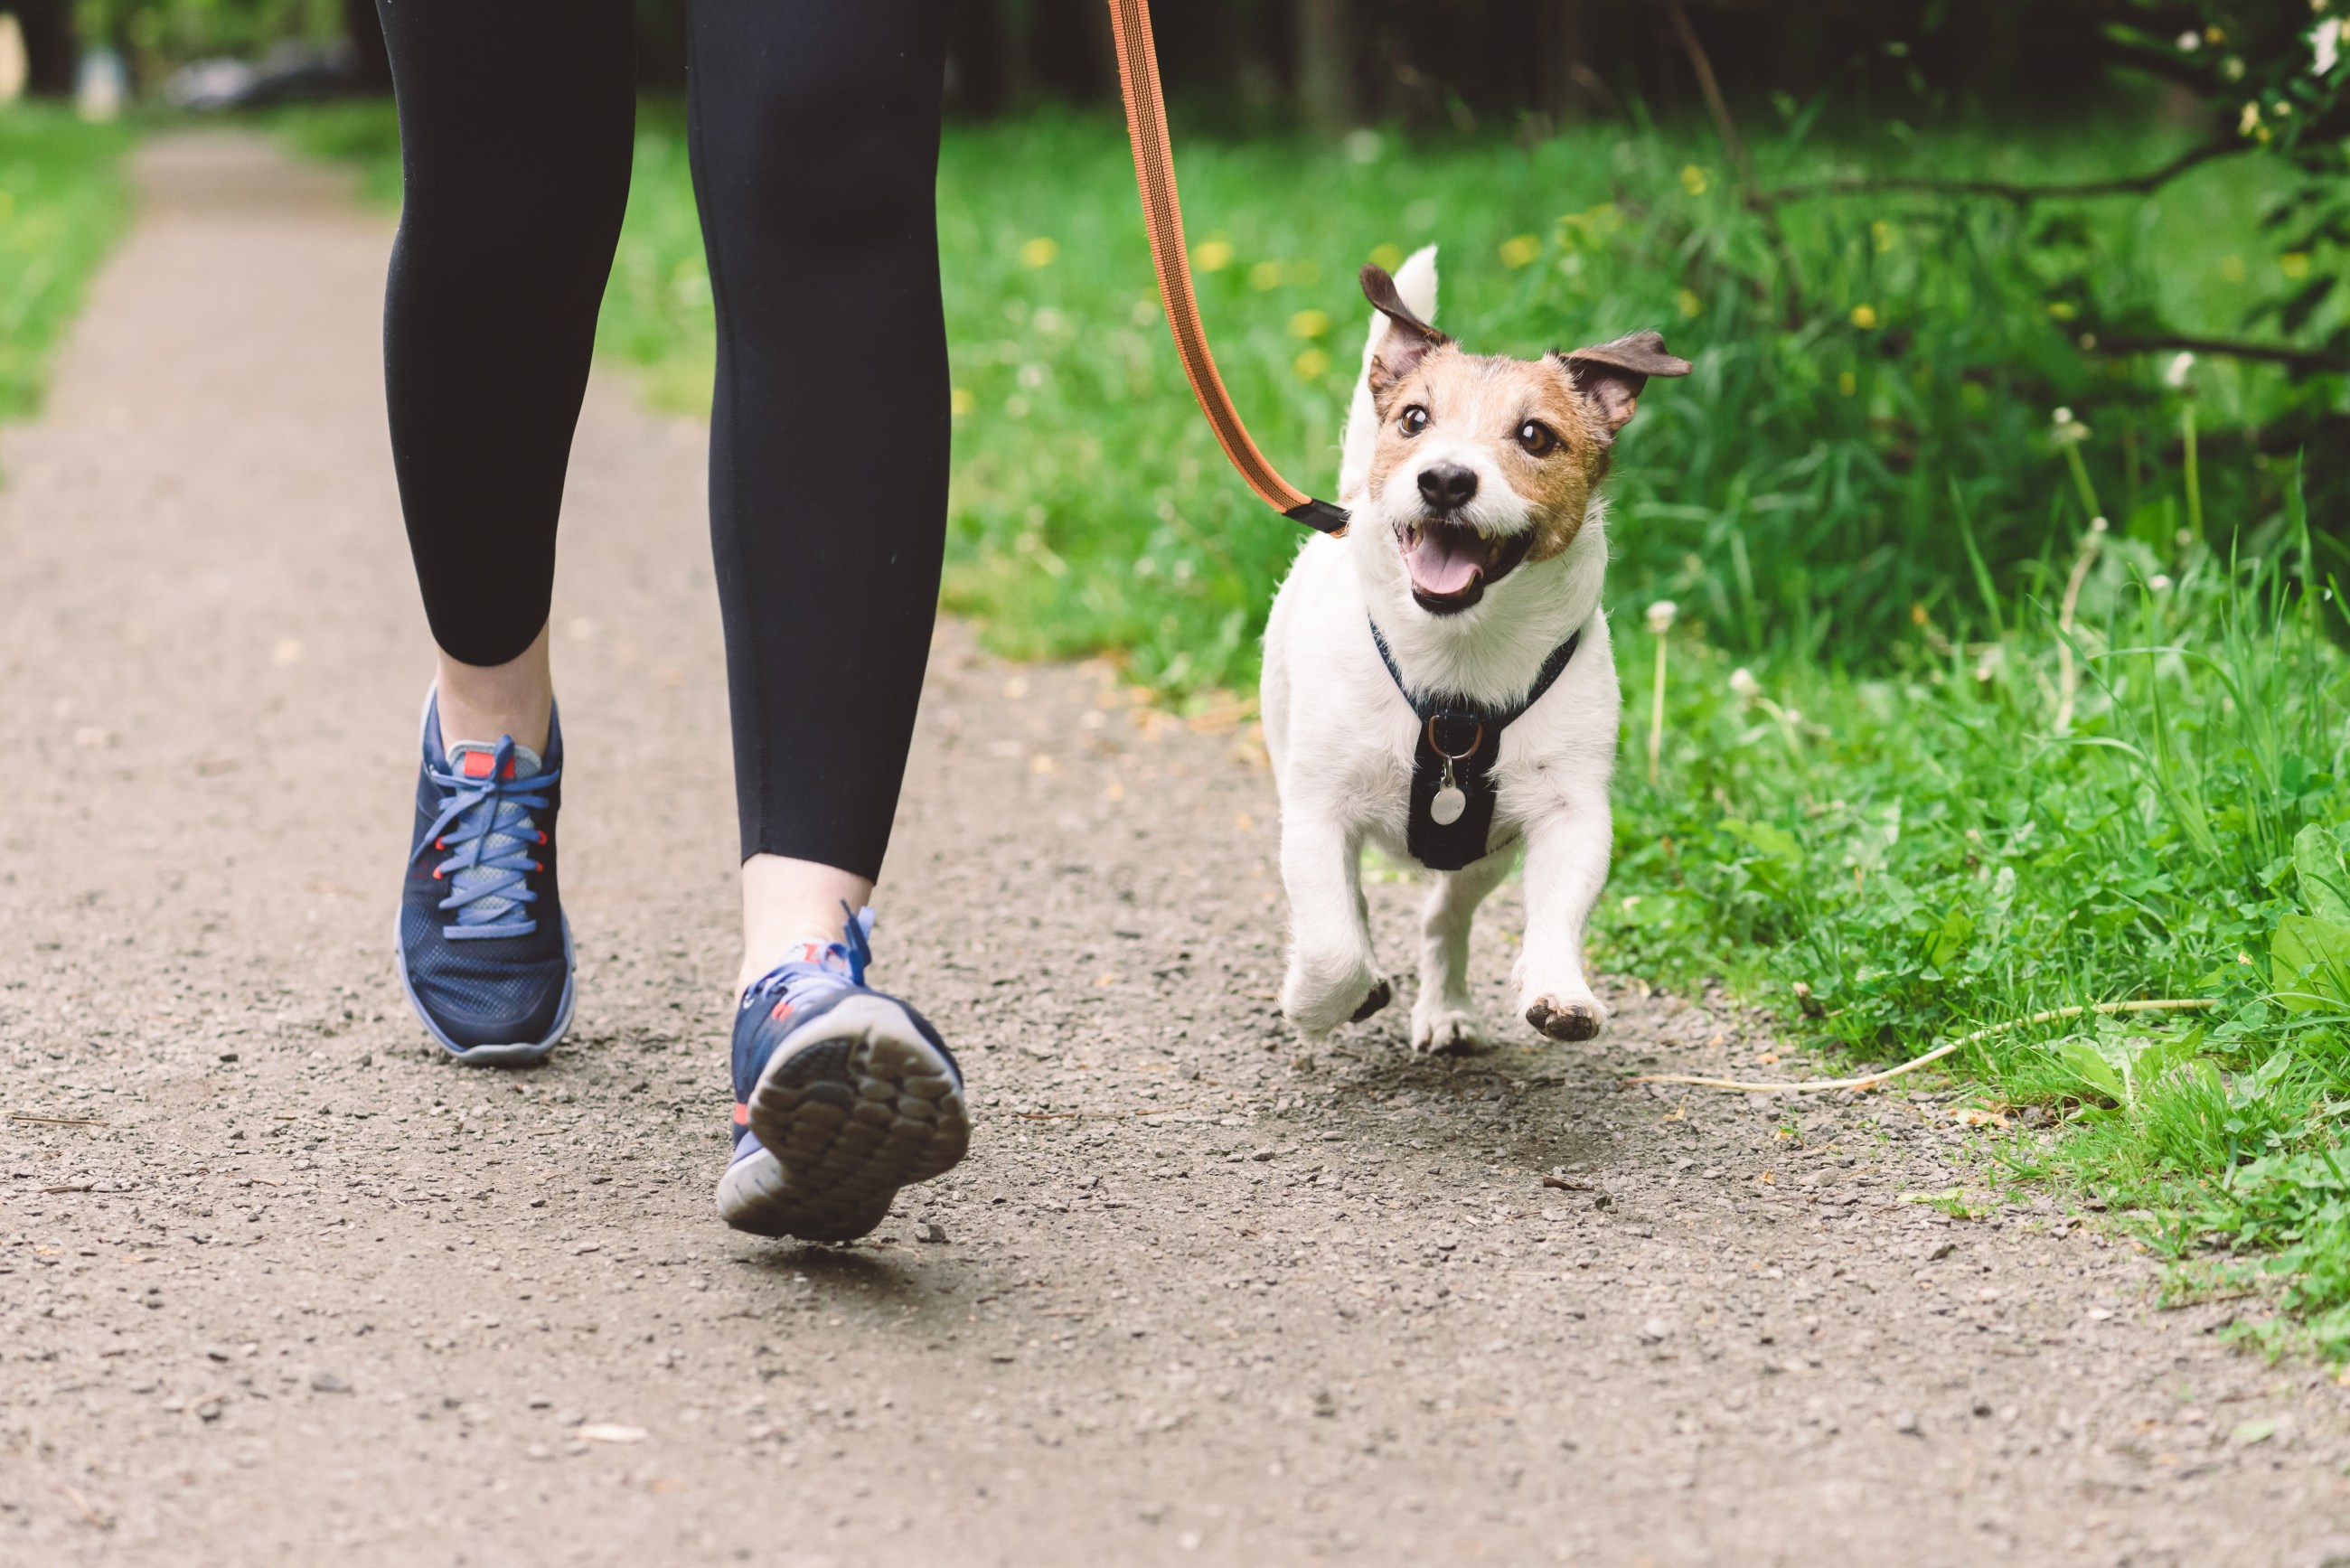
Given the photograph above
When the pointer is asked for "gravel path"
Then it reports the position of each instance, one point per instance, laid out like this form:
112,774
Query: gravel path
276,1282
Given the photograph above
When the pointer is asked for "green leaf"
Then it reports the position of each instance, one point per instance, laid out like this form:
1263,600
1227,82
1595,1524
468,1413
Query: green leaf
1949,940
2081,1057
1775,842
2325,881
2310,963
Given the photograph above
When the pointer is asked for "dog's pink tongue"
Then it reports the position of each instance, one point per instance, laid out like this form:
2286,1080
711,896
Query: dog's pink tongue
1446,561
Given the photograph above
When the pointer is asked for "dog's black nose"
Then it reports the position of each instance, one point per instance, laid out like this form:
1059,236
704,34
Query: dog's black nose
1448,486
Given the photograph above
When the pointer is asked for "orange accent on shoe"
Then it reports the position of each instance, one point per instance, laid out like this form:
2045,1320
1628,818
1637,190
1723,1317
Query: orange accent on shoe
742,1114
783,1010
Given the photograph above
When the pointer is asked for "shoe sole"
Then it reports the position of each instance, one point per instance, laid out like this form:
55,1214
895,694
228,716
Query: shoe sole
867,1107
514,1056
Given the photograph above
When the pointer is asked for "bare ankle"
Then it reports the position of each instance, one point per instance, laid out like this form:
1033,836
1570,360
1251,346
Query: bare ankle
482,702
788,904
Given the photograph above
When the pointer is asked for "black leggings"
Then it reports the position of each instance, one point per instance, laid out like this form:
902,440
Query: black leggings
814,138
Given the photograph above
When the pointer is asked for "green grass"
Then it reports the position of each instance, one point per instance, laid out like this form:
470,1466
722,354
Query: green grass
1925,853
63,203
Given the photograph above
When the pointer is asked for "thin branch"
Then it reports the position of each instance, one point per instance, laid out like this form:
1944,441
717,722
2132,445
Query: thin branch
1870,1080
2022,195
2310,359
1751,190
1702,64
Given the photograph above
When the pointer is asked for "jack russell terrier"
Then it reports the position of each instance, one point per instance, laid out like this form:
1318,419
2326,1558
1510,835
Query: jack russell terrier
1438,679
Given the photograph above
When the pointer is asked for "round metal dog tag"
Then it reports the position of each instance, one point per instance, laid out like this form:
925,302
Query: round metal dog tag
1448,805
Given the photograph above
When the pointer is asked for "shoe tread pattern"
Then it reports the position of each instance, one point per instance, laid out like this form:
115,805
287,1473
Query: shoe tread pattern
850,1120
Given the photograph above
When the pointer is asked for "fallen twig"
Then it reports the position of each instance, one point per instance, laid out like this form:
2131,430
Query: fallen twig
35,1118
1099,1116
91,1514
1819,1085
1564,1185
81,1186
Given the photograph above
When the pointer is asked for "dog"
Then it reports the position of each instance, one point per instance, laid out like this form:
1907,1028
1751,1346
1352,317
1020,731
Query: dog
1468,581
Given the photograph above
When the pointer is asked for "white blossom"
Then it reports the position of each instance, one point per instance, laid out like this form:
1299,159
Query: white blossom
2177,372
2189,41
2325,43
1742,684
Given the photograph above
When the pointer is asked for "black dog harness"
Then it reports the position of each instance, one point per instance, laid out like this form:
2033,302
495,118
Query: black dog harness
1453,788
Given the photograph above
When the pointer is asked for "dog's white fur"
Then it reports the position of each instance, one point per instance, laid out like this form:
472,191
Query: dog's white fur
1341,739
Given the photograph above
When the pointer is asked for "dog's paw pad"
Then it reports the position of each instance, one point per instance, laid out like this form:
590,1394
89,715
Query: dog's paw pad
1381,994
1565,1019
1450,1034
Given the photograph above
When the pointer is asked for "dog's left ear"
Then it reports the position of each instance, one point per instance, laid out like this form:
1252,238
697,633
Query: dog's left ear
1408,339
1612,374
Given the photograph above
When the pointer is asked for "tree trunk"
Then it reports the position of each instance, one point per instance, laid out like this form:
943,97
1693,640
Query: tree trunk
1325,65
50,49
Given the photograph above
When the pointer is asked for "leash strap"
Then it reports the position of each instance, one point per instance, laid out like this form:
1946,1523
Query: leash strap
1162,211
1460,743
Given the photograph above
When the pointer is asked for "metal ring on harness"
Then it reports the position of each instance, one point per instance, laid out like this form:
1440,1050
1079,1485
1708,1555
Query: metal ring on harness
1436,746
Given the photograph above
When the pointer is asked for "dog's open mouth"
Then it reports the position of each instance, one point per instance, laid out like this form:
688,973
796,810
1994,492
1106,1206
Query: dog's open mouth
1451,564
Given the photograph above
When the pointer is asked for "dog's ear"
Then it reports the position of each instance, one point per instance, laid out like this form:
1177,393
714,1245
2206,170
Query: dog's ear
1407,342
1612,374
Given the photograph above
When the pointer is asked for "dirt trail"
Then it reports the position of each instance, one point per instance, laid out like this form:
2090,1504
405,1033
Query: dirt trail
276,1282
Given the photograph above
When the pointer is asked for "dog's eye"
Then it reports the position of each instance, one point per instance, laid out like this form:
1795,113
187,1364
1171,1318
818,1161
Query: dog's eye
1536,438
1415,419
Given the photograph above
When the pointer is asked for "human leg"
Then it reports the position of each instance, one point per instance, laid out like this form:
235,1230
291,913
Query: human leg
515,131
816,130
815,137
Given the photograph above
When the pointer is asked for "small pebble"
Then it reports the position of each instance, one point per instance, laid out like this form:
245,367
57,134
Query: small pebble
930,1230
1906,1423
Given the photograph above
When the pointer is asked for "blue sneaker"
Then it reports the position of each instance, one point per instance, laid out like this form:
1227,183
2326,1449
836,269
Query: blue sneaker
485,950
842,1096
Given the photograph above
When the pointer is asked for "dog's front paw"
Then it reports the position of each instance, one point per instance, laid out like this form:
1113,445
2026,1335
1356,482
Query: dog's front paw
1439,1029
1317,997
1567,1015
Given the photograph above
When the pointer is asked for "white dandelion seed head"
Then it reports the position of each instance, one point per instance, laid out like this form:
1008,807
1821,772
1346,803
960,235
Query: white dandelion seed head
2159,582
1660,615
2181,366
2098,524
1743,685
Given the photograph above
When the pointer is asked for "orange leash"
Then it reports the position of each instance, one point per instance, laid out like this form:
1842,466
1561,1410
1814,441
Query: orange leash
1162,211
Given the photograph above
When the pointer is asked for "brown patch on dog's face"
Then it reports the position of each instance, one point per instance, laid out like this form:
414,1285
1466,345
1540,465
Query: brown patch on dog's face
1548,438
